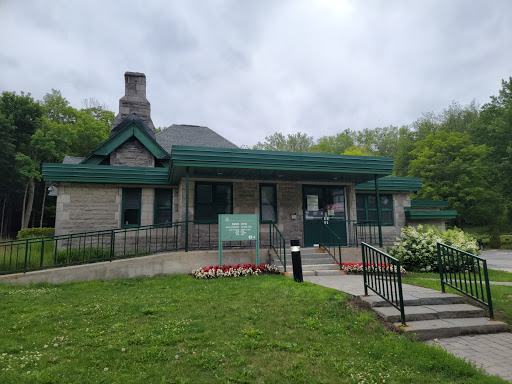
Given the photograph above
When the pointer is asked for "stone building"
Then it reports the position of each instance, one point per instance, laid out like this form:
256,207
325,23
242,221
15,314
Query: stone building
189,174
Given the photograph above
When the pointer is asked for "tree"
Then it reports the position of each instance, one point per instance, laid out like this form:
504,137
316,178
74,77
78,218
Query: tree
356,151
298,142
456,170
334,144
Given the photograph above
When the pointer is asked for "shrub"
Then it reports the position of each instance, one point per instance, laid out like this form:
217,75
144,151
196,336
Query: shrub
495,241
417,247
28,233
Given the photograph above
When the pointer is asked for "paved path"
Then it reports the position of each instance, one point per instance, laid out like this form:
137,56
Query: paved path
499,259
492,352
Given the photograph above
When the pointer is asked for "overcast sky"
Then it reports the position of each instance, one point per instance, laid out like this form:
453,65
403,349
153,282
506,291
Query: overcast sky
248,69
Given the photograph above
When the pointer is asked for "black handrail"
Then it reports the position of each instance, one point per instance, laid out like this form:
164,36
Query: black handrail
381,274
277,243
462,271
332,244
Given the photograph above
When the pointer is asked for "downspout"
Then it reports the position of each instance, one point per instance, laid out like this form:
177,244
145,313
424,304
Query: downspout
379,211
186,210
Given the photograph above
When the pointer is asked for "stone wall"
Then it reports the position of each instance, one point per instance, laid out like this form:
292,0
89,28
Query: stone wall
93,207
132,154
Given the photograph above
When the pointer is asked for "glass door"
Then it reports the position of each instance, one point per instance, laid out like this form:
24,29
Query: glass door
323,205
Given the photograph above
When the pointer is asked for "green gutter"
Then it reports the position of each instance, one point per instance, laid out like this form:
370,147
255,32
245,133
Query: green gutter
429,204
392,184
84,173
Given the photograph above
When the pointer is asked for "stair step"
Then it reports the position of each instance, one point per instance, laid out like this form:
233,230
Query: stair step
437,298
435,329
430,312
311,267
315,273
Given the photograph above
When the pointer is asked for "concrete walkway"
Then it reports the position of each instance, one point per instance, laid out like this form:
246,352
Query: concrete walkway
491,352
499,259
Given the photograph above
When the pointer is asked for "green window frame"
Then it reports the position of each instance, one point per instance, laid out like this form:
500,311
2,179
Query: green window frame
211,200
366,204
131,207
163,206
268,203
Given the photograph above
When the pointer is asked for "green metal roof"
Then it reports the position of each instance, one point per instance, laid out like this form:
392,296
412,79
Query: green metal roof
275,165
425,215
429,203
393,184
85,173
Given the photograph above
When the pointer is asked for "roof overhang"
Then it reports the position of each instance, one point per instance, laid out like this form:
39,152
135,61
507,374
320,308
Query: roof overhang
407,184
235,163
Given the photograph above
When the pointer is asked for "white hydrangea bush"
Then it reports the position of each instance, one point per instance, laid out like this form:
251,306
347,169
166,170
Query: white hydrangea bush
417,247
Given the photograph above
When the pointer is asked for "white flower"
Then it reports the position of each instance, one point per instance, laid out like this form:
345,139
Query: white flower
105,369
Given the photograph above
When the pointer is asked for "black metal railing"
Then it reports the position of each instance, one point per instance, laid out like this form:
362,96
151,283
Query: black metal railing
463,271
277,243
332,243
87,247
363,231
381,274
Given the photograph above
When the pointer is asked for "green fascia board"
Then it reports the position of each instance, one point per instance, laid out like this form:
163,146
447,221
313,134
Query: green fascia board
429,204
425,215
85,173
392,184
132,129
186,156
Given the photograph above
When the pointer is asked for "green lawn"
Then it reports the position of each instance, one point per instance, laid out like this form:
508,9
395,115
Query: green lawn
175,329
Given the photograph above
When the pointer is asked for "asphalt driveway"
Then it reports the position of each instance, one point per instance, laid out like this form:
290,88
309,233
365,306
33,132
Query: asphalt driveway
499,259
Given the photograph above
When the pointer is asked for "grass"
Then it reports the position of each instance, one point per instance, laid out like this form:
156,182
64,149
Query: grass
176,329
494,275
501,295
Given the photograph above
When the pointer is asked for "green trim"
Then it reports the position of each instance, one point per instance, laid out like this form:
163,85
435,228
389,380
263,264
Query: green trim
393,184
275,203
425,215
367,210
155,206
429,203
84,173
196,210
119,138
182,156
123,225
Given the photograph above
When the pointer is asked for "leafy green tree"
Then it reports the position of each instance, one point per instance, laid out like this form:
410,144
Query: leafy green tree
356,151
298,142
334,144
456,170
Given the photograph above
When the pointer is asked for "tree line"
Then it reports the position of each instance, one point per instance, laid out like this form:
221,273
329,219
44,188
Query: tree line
37,131
463,154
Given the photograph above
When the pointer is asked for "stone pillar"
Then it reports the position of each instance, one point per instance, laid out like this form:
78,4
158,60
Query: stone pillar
134,100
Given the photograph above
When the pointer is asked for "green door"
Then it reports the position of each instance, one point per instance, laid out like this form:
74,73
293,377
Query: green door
323,205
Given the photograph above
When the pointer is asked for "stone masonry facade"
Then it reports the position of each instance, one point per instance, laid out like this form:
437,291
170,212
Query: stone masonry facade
132,154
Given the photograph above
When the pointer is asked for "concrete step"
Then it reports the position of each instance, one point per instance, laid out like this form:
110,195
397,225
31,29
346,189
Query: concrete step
430,312
440,328
289,273
311,267
435,298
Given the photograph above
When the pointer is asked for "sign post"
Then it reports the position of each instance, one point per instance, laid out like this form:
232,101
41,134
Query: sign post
239,228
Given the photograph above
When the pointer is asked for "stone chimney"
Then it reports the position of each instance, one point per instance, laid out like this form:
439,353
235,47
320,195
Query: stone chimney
134,100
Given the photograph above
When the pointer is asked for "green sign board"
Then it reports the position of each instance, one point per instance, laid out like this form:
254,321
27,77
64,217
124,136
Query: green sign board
239,228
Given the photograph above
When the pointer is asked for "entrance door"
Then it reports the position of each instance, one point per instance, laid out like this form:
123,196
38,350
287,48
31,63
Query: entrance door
323,205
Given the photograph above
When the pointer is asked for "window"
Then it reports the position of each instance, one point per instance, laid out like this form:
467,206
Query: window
268,203
212,199
131,207
163,206
367,208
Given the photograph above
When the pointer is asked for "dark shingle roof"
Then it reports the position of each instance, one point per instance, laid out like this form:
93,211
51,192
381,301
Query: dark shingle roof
72,160
128,120
192,135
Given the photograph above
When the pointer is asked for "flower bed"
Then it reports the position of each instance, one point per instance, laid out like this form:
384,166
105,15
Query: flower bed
358,267
212,272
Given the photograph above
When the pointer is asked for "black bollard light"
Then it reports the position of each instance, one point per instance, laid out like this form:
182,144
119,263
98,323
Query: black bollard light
296,261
